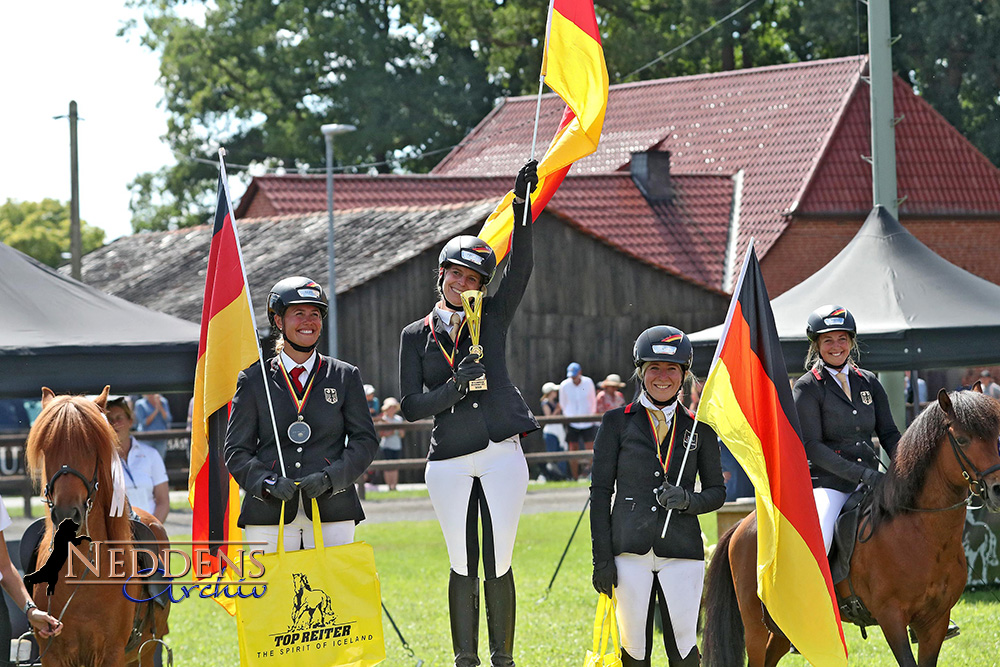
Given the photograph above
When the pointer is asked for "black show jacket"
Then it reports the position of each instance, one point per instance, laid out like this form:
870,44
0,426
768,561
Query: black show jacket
626,465
467,423
343,441
837,431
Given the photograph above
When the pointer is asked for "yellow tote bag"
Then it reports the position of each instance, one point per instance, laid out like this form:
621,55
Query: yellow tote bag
607,649
322,607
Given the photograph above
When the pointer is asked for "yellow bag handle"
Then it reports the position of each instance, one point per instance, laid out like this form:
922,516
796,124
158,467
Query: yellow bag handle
317,527
605,630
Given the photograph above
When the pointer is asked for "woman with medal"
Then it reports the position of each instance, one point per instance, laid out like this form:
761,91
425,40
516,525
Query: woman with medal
840,406
638,457
475,468
326,434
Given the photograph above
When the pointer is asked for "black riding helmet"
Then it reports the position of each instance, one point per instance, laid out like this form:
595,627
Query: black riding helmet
830,318
471,252
297,289
663,343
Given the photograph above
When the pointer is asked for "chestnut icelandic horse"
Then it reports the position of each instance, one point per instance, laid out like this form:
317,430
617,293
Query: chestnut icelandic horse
910,570
70,450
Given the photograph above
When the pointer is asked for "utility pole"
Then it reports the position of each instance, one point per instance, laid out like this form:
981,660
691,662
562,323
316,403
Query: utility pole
75,244
330,130
882,119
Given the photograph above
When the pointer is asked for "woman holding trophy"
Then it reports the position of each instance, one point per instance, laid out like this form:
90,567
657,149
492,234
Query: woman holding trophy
452,367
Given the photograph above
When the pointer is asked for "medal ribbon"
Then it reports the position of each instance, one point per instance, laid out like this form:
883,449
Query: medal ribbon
299,404
450,358
665,462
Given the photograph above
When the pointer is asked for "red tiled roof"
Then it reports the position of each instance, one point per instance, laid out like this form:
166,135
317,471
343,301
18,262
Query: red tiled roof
294,194
937,170
776,123
684,237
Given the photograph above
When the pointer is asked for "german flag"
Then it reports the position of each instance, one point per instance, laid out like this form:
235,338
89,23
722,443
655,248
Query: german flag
573,66
748,402
228,344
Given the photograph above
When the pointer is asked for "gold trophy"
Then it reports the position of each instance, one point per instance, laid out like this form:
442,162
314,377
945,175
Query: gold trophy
472,304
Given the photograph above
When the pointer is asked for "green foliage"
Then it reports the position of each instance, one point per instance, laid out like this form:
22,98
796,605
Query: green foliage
41,230
260,77
413,569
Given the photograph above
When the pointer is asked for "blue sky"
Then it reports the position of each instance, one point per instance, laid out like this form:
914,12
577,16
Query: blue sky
54,51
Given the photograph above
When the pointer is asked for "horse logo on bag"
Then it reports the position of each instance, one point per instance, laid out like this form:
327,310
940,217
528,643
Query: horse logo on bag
311,607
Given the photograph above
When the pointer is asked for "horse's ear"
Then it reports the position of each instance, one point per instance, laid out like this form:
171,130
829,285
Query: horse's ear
978,387
47,396
102,400
944,400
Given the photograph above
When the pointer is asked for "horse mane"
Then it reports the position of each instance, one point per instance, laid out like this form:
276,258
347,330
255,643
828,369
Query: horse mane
70,430
975,413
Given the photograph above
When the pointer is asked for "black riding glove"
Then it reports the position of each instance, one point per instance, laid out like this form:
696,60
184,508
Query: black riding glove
525,178
673,497
605,577
281,488
870,477
468,369
315,485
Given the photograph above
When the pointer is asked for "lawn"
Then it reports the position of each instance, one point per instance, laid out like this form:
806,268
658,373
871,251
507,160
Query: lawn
556,632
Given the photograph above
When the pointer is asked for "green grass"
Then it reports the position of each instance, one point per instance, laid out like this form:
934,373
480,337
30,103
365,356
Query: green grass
533,487
413,568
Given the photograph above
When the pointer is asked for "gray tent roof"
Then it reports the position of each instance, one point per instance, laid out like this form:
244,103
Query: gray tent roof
61,333
914,309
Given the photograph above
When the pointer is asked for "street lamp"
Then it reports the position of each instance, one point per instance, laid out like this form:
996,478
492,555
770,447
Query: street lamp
330,130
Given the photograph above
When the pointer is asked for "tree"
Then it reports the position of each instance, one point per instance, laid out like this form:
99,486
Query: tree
41,230
260,77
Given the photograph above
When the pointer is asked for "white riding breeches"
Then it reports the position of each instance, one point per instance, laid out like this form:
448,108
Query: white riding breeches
829,502
299,534
681,582
490,484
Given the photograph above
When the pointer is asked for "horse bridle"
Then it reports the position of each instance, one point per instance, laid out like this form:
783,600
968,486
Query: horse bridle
975,481
91,484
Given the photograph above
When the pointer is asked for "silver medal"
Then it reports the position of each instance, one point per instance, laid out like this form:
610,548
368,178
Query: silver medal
299,431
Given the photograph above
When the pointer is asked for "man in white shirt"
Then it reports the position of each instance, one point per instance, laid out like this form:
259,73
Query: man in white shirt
577,396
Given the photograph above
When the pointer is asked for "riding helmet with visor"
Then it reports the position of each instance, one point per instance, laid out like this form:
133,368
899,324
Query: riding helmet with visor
663,343
471,252
830,318
295,290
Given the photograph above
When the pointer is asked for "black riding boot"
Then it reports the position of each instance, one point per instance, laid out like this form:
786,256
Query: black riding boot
693,659
463,605
629,661
500,615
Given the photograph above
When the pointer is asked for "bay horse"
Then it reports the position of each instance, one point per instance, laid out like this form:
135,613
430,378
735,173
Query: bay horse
71,448
909,569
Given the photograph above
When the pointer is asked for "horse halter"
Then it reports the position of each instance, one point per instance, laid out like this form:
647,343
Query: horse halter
91,485
976,485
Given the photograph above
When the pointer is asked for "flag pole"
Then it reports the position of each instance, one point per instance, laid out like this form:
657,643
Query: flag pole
538,102
253,317
715,360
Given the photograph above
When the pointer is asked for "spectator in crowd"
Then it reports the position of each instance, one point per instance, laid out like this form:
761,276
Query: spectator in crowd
152,413
738,485
990,388
555,434
578,397
145,475
610,396
921,389
373,404
391,444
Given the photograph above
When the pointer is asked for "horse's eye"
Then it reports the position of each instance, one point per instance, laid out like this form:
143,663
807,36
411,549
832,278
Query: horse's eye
963,441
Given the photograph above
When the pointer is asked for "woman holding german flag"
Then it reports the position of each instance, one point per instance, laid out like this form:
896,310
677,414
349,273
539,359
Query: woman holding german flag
638,457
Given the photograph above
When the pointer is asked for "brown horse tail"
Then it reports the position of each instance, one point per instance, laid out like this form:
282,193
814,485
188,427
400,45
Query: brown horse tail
723,641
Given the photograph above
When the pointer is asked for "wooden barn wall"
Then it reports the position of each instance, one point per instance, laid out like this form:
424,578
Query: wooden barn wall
586,302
